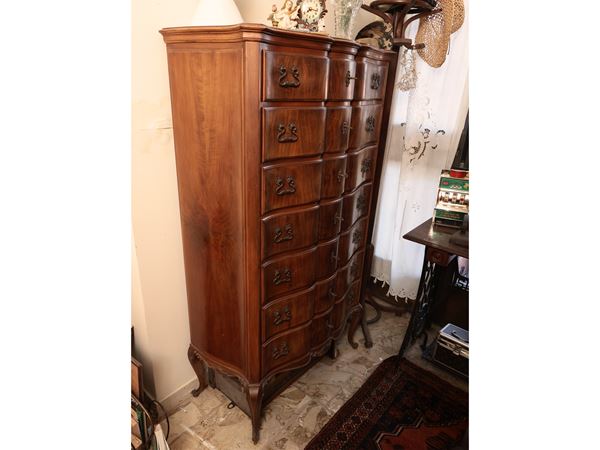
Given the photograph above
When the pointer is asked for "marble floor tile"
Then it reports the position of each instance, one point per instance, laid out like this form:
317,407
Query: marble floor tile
294,417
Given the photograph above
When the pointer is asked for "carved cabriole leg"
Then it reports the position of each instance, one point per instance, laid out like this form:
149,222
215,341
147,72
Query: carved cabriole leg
355,320
211,377
255,401
198,366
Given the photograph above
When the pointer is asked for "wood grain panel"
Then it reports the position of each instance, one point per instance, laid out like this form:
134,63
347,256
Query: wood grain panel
342,76
372,79
289,75
291,184
290,132
339,121
286,313
289,273
326,294
333,176
366,123
289,230
356,205
360,167
285,348
330,218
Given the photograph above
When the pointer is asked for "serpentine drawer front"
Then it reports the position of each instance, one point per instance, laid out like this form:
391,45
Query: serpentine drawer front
276,135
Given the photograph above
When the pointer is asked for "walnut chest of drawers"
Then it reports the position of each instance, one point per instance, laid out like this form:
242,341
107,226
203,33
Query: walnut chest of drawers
276,142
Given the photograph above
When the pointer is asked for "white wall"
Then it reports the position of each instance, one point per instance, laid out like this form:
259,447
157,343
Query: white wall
159,305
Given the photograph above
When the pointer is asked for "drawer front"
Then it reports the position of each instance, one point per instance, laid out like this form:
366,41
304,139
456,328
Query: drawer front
333,176
291,132
292,76
366,123
330,219
360,167
327,258
356,205
287,312
337,318
352,240
326,294
291,184
339,120
320,330
350,273
289,273
353,297
288,231
372,79
342,76
286,348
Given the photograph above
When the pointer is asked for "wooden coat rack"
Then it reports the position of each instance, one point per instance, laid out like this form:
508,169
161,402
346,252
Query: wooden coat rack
394,12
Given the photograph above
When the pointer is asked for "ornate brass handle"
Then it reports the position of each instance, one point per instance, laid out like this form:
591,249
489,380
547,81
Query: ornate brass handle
284,316
278,352
365,166
349,78
281,137
375,81
356,236
279,234
361,203
337,219
345,128
370,124
283,75
341,176
280,188
283,276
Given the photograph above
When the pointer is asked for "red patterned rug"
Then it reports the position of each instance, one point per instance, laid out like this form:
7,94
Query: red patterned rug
400,407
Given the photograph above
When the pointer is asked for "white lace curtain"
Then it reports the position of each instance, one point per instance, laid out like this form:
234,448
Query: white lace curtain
425,127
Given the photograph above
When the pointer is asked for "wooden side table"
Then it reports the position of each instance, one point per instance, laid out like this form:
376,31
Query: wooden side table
439,253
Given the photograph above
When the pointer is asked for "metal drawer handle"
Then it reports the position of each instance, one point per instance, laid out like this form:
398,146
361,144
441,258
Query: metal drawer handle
279,234
361,203
331,293
285,276
375,81
280,188
337,219
283,75
349,78
345,128
356,236
281,129
281,351
284,316
370,124
365,166
341,176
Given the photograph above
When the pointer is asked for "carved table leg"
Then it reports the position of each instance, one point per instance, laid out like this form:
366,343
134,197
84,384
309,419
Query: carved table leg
255,401
365,329
211,377
198,366
356,317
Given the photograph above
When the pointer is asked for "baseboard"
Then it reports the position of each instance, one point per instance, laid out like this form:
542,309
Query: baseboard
179,397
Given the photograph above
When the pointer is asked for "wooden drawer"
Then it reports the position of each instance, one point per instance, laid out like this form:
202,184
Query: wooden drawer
333,176
326,294
330,219
360,167
366,123
320,330
286,348
288,312
342,75
327,258
350,273
353,296
338,128
337,318
288,273
356,205
291,132
352,240
293,76
372,79
290,184
290,230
